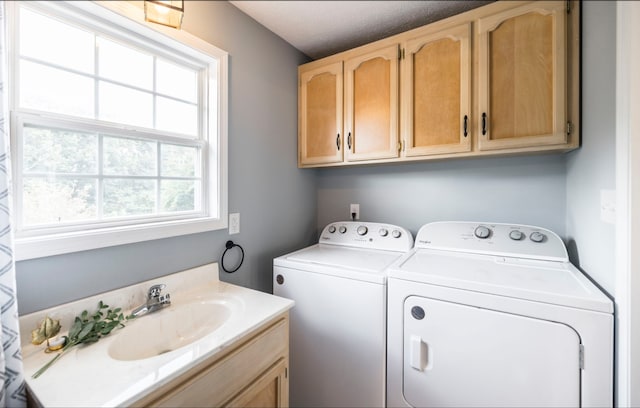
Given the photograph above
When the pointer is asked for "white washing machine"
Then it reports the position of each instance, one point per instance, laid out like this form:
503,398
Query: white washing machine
495,315
338,323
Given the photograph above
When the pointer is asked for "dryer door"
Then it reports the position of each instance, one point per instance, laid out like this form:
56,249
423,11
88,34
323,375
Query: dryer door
459,355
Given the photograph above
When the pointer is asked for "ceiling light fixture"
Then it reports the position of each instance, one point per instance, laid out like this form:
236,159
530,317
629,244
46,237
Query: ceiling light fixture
165,12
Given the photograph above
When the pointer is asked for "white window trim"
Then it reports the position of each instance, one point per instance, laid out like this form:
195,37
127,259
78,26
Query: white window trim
131,17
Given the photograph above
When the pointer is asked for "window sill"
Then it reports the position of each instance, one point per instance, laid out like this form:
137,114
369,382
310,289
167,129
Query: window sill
57,244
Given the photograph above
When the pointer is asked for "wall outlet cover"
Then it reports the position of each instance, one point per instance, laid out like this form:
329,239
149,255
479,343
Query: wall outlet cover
354,209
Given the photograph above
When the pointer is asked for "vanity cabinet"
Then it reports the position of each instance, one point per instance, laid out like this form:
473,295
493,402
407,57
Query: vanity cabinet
500,79
252,373
522,77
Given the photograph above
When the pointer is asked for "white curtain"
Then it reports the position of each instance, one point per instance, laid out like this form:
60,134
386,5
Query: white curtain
13,392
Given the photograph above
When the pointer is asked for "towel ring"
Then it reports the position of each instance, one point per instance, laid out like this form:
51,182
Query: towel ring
229,245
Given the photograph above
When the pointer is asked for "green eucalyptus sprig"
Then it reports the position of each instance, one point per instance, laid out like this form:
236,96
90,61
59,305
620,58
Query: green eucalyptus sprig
87,329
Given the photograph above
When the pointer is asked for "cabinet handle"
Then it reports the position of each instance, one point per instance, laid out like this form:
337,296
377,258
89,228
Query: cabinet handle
338,141
484,123
466,124
349,141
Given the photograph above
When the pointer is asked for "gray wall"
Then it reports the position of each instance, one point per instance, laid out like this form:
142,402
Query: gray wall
525,190
276,201
592,168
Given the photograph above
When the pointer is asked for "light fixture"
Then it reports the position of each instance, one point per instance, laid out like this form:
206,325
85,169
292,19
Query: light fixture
165,12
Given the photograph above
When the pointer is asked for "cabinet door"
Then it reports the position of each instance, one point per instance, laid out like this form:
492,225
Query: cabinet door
522,77
436,88
320,135
371,97
270,390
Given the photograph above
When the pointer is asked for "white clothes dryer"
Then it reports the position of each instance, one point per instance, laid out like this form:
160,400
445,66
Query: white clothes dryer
483,314
338,323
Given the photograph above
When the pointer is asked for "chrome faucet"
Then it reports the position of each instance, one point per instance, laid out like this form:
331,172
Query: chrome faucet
155,301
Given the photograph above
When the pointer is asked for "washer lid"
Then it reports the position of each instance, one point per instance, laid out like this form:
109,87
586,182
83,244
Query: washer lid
552,282
353,263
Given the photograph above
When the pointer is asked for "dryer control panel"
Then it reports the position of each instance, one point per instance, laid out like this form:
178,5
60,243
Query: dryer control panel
512,240
371,235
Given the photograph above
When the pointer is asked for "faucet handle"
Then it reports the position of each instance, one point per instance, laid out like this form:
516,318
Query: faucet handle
155,290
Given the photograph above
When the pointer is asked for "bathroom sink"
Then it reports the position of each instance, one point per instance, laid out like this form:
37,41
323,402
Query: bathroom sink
169,329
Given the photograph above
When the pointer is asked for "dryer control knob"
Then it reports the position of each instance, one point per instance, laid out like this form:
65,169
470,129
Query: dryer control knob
332,229
342,229
516,235
537,236
362,230
383,232
396,233
482,232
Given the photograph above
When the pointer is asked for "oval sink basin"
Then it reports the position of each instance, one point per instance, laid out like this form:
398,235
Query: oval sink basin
168,329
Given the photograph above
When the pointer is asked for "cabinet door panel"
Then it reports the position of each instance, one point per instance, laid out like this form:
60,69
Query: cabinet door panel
321,115
270,390
523,77
436,93
372,105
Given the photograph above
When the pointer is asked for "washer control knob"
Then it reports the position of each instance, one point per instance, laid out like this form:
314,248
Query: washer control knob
537,236
362,230
396,233
383,232
342,229
516,235
482,232
332,229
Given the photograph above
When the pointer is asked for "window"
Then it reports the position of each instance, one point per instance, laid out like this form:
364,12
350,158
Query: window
118,130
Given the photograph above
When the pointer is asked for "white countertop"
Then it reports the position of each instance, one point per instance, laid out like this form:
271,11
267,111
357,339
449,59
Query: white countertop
87,376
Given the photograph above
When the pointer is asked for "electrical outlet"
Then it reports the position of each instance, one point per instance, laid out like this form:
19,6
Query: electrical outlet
234,223
354,209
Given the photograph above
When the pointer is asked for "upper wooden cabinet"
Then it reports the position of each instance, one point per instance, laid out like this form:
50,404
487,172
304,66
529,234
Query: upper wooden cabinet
522,76
436,92
320,115
500,79
371,98
369,93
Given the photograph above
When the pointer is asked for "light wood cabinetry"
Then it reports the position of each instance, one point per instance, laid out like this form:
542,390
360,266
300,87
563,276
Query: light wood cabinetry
522,77
252,373
499,79
320,115
371,95
437,92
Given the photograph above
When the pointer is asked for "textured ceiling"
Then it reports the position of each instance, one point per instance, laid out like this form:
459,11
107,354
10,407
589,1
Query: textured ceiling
322,28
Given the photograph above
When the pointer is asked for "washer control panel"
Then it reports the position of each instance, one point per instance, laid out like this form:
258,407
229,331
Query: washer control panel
370,235
513,240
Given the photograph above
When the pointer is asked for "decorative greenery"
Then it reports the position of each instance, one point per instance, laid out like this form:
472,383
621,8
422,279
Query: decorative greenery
87,329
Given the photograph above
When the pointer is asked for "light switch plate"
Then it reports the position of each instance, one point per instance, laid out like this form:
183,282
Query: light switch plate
608,206
234,223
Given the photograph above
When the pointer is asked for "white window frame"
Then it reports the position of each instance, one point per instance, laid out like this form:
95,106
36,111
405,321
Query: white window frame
124,17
